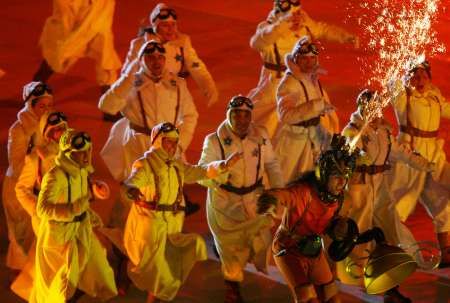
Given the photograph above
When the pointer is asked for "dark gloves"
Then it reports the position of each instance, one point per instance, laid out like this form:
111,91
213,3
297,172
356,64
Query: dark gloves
135,194
265,202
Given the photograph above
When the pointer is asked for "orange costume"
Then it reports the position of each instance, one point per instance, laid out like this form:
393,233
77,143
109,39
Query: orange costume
306,217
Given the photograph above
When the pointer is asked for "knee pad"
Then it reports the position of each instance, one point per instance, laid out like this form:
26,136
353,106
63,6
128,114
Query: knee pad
305,292
328,291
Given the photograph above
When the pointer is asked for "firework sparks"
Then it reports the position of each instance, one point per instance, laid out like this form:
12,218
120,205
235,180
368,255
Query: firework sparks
398,32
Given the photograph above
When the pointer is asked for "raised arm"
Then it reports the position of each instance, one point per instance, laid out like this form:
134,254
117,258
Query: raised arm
197,69
188,116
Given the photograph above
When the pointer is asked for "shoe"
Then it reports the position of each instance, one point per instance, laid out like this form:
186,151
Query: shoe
393,295
444,243
233,292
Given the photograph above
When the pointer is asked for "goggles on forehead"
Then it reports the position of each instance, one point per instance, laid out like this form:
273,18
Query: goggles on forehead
55,119
285,5
153,46
39,90
80,140
306,49
166,127
165,13
239,101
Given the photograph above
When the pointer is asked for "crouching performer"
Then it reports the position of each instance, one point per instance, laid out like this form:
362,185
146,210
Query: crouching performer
161,257
311,206
69,258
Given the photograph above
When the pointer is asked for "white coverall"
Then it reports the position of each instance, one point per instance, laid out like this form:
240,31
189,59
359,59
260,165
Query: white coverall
81,28
23,134
368,192
168,100
273,40
160,255
240,234
68,253
422,113
298,147
181,60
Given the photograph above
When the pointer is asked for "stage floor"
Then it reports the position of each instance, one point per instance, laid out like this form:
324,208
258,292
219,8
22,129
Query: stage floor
220,32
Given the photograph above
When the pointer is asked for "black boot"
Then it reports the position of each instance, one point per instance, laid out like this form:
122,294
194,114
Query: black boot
77,295
393,295
121,275
233,292
43,73
191,207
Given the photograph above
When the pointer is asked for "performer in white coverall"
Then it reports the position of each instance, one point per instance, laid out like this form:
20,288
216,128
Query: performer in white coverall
419,108
161,256
274,38
146,94
37,163
77,29
181,57
69,257
22,137
240,235
370,203
307,118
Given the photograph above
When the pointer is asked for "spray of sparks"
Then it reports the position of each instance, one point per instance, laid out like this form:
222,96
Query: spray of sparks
398,32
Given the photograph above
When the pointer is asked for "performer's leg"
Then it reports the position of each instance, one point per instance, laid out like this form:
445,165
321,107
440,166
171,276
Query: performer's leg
233,292
436,199
328,292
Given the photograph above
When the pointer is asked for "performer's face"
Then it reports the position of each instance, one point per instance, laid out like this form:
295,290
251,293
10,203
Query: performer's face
42,106
420,80
56,132
169,145
336,184
82,158
167,30
240,121
155,63
307,64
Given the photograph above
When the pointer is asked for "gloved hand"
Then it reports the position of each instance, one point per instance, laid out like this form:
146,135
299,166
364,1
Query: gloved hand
80,206
135,194
266,202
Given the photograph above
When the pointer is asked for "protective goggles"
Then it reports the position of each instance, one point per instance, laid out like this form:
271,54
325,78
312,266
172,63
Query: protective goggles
414,67
165,13
153,46
39,90
55,119
306,49
285,5
166,127
80,140
238,101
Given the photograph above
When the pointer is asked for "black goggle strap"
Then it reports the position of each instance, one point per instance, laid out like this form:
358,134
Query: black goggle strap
165,13
39,90
151,47
55,119
80,140
165,128
306,49
239,101
285,5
